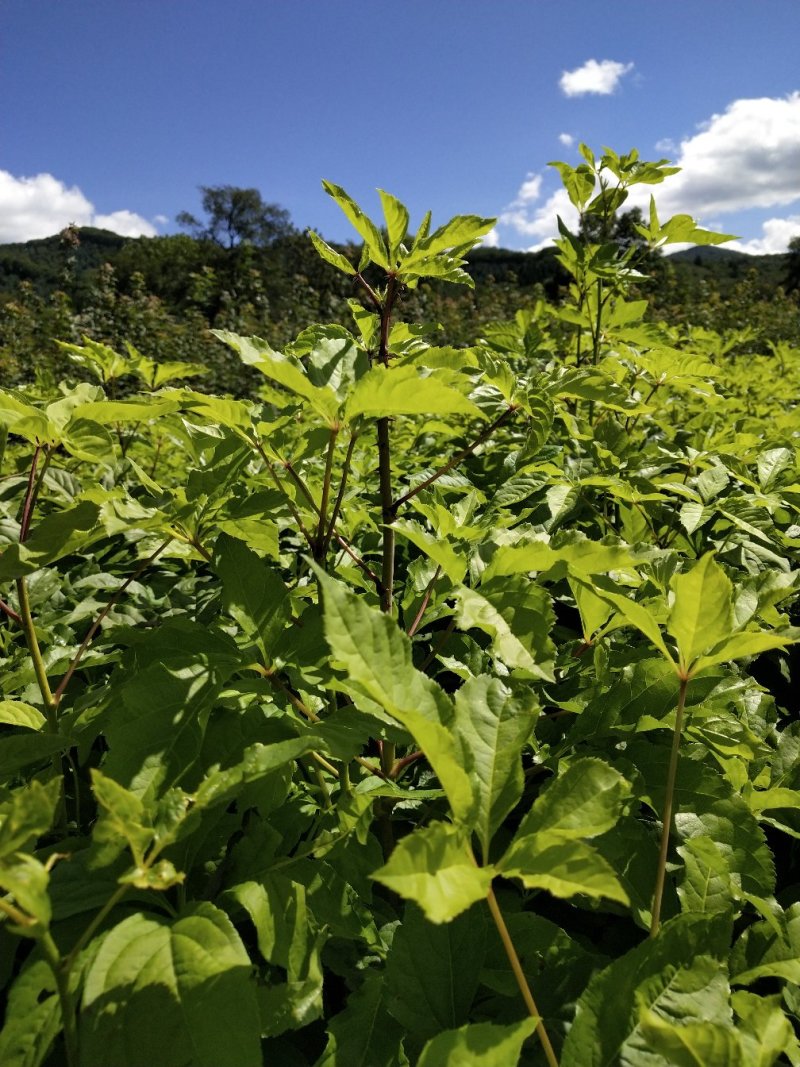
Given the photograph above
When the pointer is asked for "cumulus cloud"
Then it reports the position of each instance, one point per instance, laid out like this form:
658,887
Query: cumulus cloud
491,239
42,205
566,139
743,159
775,237
593,77
540,222
746,157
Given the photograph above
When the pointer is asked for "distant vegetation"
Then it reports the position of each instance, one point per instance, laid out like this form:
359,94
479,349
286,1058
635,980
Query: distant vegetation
245,267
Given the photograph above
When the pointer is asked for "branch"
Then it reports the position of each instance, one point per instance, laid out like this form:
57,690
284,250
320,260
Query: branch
457,458
62,685
425,600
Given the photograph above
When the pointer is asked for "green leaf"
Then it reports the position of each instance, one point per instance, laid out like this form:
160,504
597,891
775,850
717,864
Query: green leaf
122,821
187,991
17,713
764,1030
763,953
562,865
702,614
745,643
707,884
494,725
405,390
252,592
364,1034
437,548
330,255
376,656
701,1044
26,880
396,215
437,996
585,801
518,624
29,814
434,867
362,223
478,1045
462,231
53,537
32,1017
283,369
678,974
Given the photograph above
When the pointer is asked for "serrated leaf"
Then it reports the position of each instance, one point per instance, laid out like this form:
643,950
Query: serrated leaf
404,390
478,1045
702,614
426,1000
32,1017
330,255
583,802
187,992
561,864
364,1034
376,656
433,866
396,215
18,713
701,1044
252,592
679,973
362,223
493,725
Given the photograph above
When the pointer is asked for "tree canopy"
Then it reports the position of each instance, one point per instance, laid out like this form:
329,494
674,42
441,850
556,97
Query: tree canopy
237,216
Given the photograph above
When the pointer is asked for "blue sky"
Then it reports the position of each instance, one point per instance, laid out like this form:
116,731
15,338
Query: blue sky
114,111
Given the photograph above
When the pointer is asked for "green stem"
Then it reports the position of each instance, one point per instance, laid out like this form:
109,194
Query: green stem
326,488
668,803
522,981
62,685
340,495
61,975
457,458
35,651
94,926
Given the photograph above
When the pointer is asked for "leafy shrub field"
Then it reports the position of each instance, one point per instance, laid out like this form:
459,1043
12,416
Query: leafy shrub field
433,706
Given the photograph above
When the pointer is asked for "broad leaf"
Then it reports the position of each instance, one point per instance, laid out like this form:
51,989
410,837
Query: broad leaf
493,725
434,867
187,991
478,1045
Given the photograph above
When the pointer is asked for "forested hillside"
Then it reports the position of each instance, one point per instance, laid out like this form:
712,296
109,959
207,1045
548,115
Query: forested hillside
164,294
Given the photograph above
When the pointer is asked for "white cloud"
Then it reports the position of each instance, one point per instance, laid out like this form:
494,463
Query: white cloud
566,139
775,237
594,77
491,239
530,189
746,157
42,205
542,222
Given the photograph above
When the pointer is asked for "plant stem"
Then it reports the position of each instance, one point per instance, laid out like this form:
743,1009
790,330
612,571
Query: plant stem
457,458
94,925
668,802
61,975
32,642
326,488
62,685
340,495
425,601
522,981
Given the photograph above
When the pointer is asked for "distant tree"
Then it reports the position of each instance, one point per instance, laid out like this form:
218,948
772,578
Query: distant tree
793,266
237,216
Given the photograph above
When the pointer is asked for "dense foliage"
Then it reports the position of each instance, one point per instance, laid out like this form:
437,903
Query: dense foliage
431,705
